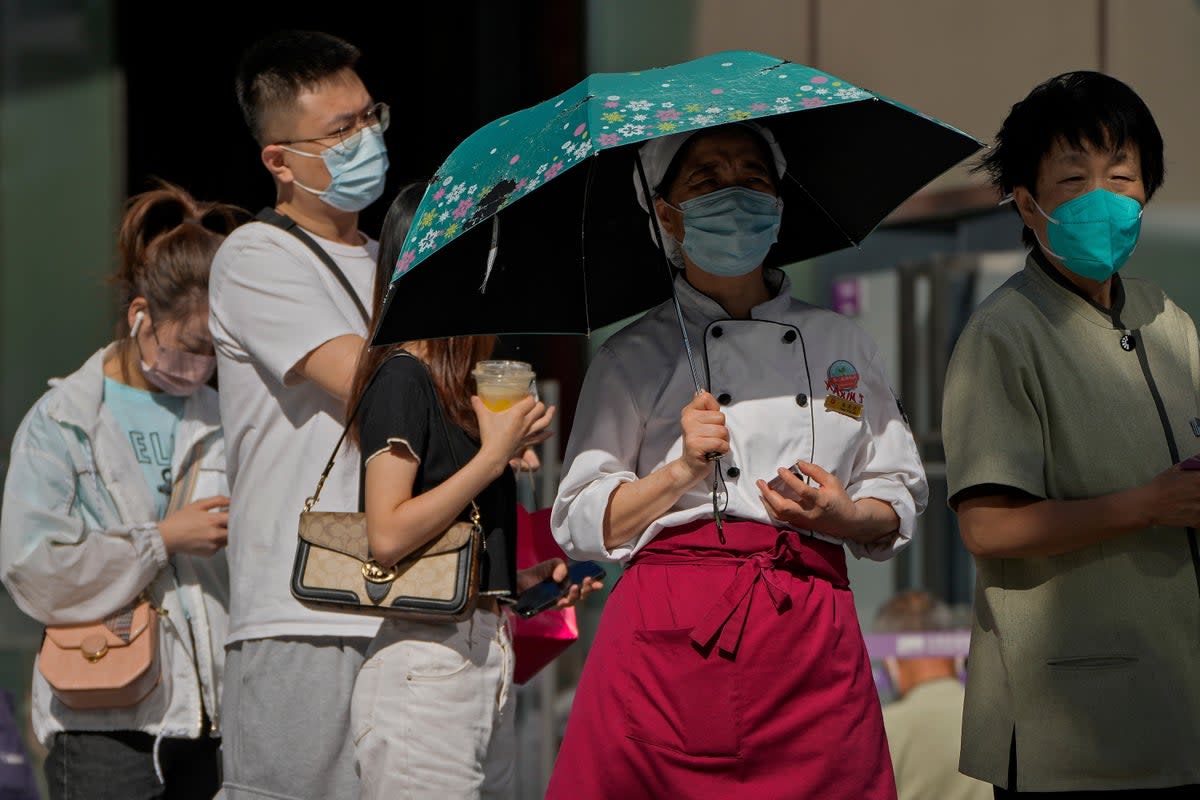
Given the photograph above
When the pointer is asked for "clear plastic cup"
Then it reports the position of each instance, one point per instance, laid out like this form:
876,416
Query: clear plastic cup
502,384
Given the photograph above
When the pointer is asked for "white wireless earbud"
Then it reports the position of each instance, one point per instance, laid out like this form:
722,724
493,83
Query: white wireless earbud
137,323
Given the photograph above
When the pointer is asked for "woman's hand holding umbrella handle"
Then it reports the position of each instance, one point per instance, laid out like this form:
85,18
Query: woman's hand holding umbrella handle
705,436
634,505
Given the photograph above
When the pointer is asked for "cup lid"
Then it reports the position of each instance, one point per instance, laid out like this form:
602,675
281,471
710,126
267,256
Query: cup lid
513,368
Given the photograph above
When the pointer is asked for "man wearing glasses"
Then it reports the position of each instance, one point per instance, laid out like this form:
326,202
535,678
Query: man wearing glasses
288,320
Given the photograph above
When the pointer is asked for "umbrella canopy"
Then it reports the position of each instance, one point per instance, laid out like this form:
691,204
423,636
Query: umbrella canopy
531,225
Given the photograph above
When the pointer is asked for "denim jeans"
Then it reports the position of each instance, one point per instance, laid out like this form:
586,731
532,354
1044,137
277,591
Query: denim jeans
119,765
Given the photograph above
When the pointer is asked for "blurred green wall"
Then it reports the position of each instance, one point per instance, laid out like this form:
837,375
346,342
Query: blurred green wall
61,185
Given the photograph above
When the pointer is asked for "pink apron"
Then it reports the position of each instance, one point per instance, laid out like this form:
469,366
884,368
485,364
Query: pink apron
726,671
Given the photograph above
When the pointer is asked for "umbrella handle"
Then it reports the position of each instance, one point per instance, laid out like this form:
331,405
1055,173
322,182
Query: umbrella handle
716,459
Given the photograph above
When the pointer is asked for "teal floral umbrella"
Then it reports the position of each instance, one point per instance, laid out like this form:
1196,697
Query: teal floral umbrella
531,225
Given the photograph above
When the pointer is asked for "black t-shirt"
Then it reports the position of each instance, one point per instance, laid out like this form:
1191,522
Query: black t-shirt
402,404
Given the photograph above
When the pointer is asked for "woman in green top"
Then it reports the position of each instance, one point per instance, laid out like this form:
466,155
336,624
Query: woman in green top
1070,399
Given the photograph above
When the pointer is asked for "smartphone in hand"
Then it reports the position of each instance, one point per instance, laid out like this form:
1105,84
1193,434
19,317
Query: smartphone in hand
1190,463
776,484
544,595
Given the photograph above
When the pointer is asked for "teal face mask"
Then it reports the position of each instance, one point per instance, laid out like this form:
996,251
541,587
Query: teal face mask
358,169
730,231
1094,234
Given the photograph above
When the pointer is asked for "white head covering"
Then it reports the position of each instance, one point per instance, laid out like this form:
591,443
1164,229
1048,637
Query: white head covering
657,155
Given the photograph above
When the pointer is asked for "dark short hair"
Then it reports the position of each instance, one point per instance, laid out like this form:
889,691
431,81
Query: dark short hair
1082,107
277,68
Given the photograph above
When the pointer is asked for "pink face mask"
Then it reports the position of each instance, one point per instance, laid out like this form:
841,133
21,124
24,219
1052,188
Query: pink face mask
176,372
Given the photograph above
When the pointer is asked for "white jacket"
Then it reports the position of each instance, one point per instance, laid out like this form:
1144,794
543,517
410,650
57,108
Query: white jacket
79,539
772,374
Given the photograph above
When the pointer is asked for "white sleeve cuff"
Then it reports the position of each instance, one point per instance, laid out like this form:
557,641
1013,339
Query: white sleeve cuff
578,520
148,541
901,500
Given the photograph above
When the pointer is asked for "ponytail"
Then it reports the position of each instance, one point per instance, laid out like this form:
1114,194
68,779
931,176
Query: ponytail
165,248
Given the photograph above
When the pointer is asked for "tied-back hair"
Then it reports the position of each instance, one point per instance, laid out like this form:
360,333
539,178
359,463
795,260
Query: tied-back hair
275,70
449,360
165,247
1079,108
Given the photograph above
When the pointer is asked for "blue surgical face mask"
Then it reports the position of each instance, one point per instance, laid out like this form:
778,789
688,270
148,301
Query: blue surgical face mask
729,232
358,167
1094,234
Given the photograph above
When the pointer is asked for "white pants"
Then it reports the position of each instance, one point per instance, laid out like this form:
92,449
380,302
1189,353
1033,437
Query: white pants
432,711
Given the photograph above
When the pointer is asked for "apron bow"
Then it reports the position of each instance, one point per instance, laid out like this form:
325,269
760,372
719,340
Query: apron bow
727,617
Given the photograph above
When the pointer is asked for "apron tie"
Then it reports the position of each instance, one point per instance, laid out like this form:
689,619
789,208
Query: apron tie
727,617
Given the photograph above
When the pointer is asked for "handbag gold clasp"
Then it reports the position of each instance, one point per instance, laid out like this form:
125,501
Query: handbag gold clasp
374,572
94,648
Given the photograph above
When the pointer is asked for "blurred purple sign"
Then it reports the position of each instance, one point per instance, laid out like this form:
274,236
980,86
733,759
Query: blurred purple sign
847,296
919,644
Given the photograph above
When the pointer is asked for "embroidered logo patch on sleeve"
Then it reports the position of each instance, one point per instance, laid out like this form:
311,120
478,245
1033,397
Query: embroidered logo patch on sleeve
841,381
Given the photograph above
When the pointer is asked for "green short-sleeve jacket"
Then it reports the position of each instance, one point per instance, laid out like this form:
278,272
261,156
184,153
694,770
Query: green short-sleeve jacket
1091,657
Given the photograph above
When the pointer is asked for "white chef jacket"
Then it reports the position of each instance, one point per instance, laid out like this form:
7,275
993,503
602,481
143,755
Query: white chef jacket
772,374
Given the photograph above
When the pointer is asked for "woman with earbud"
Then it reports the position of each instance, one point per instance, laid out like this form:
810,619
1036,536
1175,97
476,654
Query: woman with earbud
85,537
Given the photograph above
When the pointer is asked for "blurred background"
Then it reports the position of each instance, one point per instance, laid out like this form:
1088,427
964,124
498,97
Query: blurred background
97,97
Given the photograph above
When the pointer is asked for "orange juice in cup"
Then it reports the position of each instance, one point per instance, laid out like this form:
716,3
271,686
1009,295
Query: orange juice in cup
503,384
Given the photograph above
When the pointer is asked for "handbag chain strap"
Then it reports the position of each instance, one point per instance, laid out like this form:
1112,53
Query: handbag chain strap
316,496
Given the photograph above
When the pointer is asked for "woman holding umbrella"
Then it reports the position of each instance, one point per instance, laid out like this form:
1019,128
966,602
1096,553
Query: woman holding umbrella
729,659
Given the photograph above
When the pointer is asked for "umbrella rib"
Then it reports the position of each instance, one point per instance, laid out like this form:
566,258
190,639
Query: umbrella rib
587,195
492,253
817,203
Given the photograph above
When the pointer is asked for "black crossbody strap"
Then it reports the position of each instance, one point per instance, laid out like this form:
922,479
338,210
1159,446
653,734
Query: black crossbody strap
286,223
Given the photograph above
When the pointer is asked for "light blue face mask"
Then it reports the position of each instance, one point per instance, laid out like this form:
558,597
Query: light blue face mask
1094,234
730,231
358,167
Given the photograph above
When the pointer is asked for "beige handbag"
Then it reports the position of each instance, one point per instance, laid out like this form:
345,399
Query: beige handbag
113,663
334,570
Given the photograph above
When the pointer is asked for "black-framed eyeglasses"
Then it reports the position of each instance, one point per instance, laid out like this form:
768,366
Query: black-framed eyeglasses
378,115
